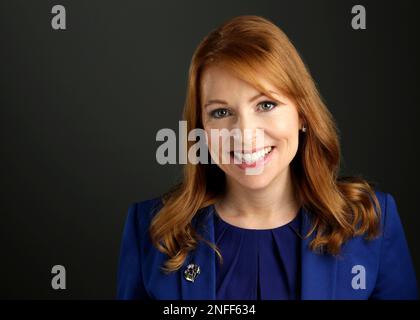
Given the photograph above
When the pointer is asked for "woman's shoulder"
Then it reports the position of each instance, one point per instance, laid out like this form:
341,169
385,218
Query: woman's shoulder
142,212
389,211
148,207
390,253
391,228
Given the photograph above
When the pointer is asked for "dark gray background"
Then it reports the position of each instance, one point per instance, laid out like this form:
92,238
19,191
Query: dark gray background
80,109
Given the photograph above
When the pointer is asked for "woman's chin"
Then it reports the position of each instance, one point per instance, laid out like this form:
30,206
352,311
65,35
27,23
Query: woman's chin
254,182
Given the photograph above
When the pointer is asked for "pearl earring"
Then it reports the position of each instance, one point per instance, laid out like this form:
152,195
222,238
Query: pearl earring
303,129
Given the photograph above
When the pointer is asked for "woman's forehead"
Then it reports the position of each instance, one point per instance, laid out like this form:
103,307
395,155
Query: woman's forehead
218,82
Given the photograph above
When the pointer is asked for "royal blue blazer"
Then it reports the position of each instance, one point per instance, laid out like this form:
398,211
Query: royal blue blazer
384,263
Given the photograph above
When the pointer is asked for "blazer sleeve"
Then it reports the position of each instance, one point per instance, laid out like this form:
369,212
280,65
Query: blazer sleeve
396,276
130,282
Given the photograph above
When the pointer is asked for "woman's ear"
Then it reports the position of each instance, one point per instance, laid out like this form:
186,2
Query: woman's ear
301,123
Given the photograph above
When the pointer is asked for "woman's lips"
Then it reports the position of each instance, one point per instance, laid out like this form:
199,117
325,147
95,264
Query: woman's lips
259,162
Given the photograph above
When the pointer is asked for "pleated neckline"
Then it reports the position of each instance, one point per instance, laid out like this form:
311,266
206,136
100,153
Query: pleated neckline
294,224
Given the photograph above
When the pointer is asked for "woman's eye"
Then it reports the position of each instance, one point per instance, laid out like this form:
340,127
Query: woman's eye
219,113
267,105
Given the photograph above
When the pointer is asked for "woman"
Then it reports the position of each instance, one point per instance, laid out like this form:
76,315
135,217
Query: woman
295,230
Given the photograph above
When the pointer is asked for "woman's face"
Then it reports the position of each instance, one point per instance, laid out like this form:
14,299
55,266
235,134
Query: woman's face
231,103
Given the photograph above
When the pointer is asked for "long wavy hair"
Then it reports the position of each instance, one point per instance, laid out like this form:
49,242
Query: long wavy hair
341,207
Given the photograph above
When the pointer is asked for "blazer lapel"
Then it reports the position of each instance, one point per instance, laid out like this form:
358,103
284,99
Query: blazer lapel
319,271
204,286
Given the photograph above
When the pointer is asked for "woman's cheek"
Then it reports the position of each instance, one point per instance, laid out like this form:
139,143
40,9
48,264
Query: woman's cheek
284,125
212,145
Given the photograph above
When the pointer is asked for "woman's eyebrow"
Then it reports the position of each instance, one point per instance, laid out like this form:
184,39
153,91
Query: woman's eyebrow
224,102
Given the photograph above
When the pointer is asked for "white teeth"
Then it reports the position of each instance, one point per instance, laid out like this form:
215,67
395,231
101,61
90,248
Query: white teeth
251,157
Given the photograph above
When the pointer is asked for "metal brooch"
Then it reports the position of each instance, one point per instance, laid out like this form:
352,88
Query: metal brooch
191,272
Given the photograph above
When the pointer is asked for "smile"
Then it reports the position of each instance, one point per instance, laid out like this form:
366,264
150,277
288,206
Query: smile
251,159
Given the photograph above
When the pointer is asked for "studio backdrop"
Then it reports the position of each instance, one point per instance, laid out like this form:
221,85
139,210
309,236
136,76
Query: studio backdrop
86,85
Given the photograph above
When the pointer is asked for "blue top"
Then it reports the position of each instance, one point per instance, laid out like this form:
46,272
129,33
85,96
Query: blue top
258,264
383,266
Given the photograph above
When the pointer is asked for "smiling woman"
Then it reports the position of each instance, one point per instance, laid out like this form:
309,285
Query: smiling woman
249,109
296,230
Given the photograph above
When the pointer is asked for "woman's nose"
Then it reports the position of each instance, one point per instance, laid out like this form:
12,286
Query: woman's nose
248,128
244,122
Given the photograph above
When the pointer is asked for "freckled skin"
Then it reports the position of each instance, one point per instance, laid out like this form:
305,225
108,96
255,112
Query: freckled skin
280,124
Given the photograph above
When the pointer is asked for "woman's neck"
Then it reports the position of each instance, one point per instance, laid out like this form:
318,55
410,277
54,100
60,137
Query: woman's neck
261,208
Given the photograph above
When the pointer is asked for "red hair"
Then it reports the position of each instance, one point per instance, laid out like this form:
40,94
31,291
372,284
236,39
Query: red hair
341,207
